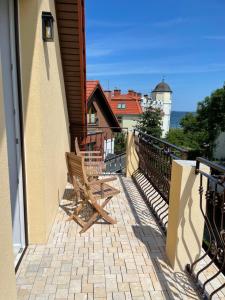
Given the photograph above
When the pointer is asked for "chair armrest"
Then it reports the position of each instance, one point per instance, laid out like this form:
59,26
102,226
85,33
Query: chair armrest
90,153
101,181
94,164
93,157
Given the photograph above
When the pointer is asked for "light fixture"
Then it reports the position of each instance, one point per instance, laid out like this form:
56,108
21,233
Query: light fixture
47,27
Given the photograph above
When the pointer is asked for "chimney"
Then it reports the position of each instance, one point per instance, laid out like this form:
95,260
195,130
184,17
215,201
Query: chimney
131,92
108,95
117,92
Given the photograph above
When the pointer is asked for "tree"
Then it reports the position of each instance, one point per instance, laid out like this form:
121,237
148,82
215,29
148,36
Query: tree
176,136
200,130
151,121
120,143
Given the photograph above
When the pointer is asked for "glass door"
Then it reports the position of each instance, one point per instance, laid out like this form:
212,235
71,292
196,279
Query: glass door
12,117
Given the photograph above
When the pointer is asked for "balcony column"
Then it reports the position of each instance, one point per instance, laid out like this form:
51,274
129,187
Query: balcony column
132,159
186,223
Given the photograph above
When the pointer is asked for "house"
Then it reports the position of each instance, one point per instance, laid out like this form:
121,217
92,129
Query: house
42,108
101,121
126,107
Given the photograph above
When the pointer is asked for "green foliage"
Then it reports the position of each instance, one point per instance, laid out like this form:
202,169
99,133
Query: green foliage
176,136
200,130
120,143
150,122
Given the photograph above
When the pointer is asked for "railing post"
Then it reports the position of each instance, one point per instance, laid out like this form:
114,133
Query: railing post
185,220
132,159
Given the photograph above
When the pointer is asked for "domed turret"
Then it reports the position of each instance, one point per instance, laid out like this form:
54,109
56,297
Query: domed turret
162,96
162,87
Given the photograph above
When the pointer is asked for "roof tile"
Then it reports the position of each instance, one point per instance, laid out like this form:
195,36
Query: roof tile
132,102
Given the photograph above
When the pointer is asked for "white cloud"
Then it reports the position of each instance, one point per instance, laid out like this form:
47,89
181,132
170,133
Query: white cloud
148,68
215,37
98,52
171,22
108,24
126,42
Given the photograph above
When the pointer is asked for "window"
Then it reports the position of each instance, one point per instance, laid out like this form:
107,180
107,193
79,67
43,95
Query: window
121,106
92,117
90,146
119,118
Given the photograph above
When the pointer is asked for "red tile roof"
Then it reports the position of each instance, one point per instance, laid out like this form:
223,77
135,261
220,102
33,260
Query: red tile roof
132,102
91,86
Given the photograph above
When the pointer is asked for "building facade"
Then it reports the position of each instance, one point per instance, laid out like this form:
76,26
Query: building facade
126,107
101,121
42,102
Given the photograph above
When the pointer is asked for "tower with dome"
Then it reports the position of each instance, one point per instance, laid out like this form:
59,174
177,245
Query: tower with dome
162,97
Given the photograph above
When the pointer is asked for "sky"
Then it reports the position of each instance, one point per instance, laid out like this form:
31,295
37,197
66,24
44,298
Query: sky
133,44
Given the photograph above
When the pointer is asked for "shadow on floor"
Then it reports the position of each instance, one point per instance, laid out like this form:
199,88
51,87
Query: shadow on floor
175,285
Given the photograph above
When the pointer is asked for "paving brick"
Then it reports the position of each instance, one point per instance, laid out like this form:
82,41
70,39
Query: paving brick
125,261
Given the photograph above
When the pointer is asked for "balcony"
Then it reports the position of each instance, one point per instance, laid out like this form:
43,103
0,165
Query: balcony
131,260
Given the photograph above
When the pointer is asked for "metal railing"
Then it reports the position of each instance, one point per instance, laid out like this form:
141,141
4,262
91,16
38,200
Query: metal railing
111,142
212,205
154,174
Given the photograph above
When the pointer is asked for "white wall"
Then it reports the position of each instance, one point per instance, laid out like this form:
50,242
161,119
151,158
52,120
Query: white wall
130,121
109,147
164,102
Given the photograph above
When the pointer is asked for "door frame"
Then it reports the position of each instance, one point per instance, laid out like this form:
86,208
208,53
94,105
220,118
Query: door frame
21,127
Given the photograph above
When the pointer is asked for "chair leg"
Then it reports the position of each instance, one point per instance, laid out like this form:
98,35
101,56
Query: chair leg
100,212
103,213
78,220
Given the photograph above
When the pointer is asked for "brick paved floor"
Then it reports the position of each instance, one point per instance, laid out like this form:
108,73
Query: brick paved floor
122,261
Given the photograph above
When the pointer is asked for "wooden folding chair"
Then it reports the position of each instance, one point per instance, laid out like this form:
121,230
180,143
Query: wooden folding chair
92,171
93,196
93,160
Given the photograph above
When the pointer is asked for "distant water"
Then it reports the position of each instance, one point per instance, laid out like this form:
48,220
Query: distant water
176,117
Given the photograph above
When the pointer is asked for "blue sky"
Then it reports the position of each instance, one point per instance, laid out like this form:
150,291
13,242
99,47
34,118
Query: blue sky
132,44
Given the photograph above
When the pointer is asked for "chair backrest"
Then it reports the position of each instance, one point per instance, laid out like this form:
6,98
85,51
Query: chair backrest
78,175
75,165
77,148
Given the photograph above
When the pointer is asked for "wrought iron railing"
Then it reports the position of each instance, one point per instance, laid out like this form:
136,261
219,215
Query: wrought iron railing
111,142
154,174
212,205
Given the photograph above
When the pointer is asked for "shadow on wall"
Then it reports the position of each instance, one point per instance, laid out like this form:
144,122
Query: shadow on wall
47,63
188,201
28,29
132,156
175,285
59,67
2,123
28,32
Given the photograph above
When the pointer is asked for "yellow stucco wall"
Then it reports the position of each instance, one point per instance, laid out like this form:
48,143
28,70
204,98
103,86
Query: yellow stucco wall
132,158
45,119
185,220
7,273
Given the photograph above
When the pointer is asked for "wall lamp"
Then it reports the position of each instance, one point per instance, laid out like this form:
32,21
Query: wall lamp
47,27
